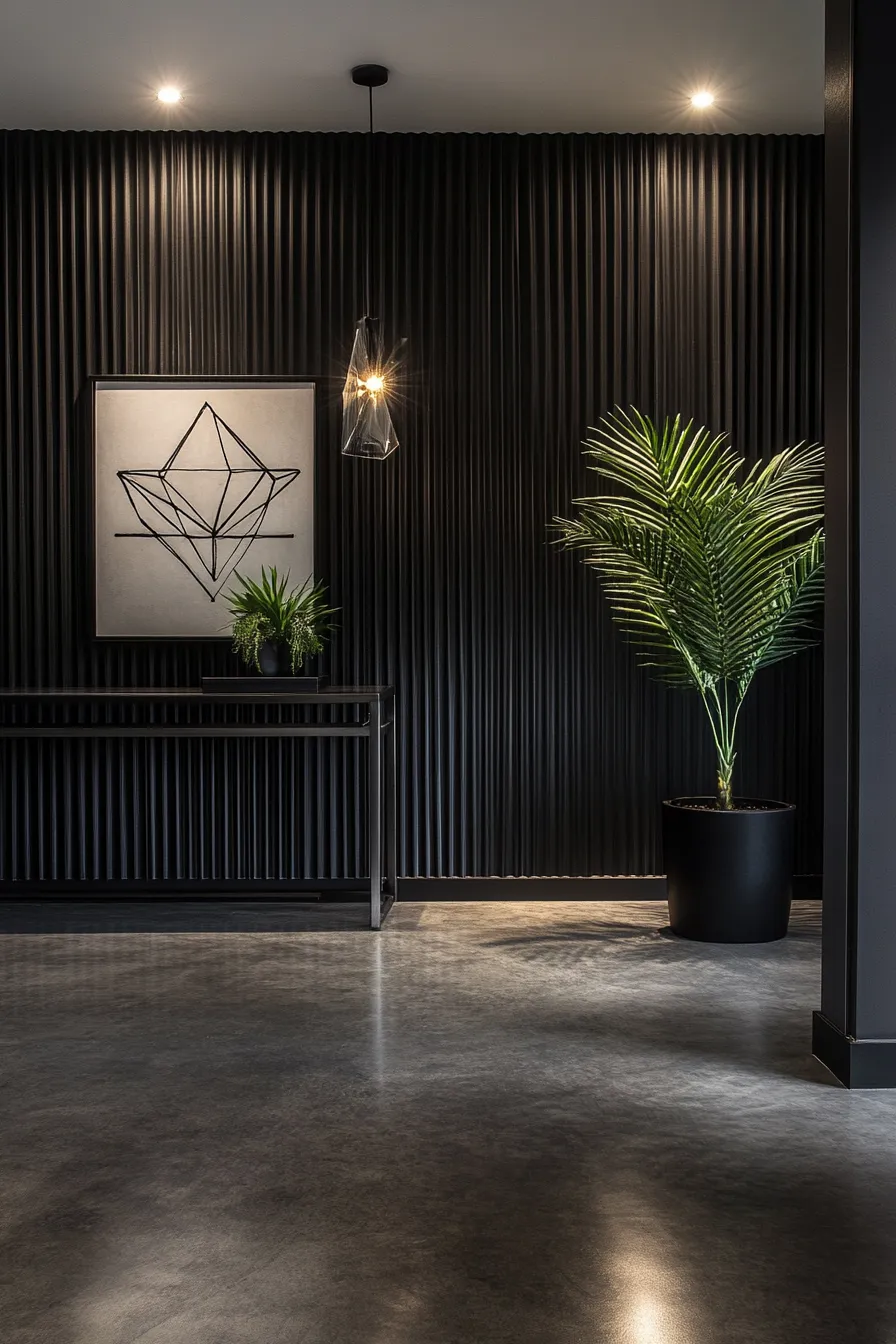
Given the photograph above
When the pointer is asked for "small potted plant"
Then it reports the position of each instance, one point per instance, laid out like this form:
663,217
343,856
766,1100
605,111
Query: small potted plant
714,573
275,627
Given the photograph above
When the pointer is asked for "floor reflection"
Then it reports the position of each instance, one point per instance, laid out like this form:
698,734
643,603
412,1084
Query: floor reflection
537,1124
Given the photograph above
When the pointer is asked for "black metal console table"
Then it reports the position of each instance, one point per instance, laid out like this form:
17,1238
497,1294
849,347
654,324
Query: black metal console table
379,729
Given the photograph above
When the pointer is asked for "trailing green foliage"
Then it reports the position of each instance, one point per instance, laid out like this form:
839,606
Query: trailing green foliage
271,612
713,573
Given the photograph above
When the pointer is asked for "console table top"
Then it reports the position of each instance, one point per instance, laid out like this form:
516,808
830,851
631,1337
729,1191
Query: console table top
69,695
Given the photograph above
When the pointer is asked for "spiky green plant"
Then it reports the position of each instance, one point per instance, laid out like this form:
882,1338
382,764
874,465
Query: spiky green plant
269,611
713,572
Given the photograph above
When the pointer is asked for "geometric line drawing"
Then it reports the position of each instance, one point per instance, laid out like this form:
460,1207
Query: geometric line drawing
207,516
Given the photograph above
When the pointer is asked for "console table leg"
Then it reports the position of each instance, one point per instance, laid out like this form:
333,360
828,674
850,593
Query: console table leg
375,813
391,807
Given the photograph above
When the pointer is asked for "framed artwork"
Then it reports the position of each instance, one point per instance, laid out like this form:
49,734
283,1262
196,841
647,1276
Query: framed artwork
195,480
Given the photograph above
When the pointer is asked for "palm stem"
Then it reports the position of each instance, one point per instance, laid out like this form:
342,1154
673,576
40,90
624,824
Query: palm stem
723,705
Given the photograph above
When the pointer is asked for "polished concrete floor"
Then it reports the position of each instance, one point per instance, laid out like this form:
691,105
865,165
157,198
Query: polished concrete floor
525,1124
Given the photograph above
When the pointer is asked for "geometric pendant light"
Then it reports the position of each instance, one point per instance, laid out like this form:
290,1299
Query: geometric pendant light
368,429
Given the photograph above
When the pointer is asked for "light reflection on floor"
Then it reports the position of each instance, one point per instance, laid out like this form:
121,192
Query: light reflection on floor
534,1123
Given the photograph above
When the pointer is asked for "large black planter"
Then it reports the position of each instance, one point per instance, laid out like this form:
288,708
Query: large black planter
728,874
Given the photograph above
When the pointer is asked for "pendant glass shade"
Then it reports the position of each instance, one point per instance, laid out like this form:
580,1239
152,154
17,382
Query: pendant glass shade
367,426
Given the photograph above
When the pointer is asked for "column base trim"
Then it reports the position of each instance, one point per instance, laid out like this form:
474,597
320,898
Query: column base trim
859,1065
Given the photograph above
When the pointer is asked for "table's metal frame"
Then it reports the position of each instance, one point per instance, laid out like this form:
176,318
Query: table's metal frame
379,729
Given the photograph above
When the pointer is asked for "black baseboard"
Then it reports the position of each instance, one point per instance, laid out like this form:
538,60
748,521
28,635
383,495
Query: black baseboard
179,914
533,888
310,890
856,1064
622,888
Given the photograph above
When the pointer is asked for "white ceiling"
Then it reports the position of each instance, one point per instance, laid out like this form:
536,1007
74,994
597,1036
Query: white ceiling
458,65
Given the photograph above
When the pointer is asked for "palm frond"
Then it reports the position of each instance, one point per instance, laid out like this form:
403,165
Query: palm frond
711,571
799,604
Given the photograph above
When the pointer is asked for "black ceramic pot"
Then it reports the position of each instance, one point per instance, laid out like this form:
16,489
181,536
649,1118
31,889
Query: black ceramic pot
728,874
273,659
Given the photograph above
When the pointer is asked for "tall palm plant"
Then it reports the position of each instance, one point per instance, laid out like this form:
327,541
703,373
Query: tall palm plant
712,572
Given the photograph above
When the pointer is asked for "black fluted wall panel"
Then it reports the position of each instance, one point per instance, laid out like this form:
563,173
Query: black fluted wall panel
539,279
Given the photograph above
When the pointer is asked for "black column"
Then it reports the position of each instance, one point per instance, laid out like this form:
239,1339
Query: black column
854,1034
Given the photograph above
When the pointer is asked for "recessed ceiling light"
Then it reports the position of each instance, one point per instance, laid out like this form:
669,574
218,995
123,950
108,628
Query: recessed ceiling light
169,94
703,99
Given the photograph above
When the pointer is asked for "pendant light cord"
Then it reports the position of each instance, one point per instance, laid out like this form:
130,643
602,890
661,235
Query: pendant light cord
368,295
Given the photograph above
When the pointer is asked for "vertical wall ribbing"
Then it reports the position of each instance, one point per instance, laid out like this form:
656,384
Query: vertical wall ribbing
539,279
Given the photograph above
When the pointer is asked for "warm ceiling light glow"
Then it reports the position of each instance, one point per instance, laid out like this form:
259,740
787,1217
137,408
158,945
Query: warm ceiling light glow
169,94
703,99
374,383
